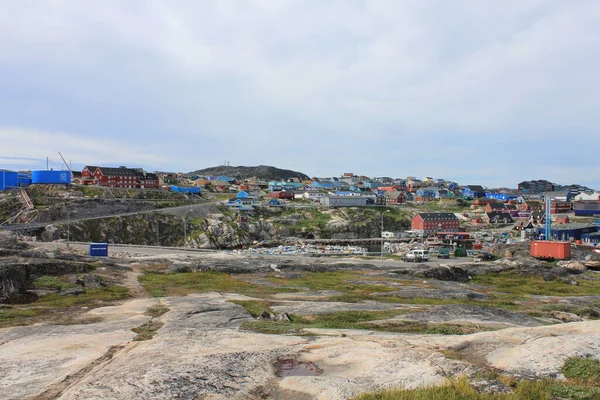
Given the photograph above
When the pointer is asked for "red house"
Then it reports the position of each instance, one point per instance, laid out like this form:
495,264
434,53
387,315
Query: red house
282,195
560,207
395,197
435,222
123,177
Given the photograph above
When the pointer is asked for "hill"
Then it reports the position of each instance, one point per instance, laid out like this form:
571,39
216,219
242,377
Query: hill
263,172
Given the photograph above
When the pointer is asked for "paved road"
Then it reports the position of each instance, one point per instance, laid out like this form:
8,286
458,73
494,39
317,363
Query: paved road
179,210
151,251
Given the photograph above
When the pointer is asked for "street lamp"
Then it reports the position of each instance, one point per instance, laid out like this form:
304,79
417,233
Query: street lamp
382,236
185,226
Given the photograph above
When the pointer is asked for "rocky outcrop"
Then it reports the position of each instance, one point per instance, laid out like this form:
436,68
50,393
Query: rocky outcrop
17,272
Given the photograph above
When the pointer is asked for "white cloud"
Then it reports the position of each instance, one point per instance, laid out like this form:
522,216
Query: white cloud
341,80
25,146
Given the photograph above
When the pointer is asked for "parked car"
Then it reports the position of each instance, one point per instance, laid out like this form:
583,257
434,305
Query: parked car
443,253
416,256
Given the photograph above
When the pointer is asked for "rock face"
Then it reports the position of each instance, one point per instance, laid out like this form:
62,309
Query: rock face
15,272
445,273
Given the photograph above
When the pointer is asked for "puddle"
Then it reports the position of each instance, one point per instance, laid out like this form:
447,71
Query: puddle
293,367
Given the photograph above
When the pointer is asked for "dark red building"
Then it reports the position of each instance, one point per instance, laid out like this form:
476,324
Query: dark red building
282,195
435,222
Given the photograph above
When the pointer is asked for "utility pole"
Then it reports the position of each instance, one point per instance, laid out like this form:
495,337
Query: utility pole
185,226
382,236
158,233
68,228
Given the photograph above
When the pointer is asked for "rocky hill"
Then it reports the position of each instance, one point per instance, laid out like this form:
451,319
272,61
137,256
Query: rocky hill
261,172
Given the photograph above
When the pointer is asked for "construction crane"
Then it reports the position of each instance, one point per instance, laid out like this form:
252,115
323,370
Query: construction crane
68,166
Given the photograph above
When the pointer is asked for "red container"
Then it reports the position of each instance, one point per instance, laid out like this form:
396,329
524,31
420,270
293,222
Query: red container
550,250
477,246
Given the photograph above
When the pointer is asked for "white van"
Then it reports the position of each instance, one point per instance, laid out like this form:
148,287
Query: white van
417,255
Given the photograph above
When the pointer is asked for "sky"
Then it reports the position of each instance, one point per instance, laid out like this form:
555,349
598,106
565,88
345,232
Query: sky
479,92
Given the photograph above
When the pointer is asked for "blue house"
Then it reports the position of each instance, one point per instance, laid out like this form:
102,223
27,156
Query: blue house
322,185
429,192
276,203
242,195
473,192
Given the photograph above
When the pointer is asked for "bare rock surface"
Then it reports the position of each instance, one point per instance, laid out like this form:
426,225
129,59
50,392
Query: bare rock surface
473,315
35,358
201,352
325,307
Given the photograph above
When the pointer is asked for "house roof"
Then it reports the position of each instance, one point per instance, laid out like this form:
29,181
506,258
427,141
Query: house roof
437,216
497,206
393,194
476,188
147,176
117,171
499,215
91,168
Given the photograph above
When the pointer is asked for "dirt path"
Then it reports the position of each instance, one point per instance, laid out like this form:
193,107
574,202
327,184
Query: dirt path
132,282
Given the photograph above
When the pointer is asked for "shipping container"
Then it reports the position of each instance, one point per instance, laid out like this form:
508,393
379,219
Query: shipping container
24,180
547,249
98,249
178,189
45,177
8,180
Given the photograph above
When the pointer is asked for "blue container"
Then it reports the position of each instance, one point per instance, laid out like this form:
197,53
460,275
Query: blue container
178,189
24,180
8,180
45,177
98,249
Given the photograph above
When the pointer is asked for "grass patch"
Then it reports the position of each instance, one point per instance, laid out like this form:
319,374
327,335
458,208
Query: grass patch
52,283
156,311
584,369
254,307
461,390
12,317
147,330
513,283
353,320
181,284
89,298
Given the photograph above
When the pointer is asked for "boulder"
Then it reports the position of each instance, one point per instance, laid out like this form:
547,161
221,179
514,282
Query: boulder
283,317
50,234
566,317
266,316
444,273
575,265
92,281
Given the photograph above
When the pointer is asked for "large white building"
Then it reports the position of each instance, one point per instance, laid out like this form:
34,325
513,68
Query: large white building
344,201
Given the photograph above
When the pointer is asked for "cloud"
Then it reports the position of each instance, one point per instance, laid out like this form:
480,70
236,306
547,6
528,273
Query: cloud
484,90
29,147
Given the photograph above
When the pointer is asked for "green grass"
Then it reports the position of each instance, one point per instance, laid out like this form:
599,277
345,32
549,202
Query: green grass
181,284
254,307
585,369
52,282
13,317
462,390
156,311
147,330
90,297
511,282
353,320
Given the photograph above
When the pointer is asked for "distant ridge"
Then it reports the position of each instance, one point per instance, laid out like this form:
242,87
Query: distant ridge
263,172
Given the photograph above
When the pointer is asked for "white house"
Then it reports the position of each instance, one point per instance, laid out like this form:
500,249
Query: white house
588,196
